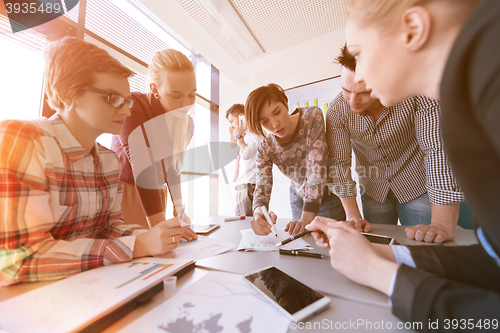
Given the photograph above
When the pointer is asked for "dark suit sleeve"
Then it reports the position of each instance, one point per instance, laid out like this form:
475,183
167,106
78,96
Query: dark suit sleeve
420,296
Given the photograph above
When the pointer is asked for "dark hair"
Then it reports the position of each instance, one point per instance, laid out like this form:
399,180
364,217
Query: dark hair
346,59
257,99
235,110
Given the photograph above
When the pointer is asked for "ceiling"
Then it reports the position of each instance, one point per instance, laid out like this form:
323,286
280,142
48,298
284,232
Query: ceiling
300,37
277,24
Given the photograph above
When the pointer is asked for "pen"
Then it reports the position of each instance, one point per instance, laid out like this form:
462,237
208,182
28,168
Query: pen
294,237
301,254
235,218
268,219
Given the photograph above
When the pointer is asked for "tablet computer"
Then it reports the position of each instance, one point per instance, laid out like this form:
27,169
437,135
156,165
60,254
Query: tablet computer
294,298
204,229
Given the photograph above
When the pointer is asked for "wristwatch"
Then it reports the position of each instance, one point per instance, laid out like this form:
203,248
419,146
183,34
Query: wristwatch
238,136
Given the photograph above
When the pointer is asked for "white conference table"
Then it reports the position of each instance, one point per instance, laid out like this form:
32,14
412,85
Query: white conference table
353,307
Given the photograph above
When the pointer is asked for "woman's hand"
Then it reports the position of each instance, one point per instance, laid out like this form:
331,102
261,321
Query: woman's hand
259,224
163,237
188,234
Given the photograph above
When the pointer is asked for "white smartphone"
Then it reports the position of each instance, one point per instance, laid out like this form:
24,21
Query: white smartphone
204,229
294,298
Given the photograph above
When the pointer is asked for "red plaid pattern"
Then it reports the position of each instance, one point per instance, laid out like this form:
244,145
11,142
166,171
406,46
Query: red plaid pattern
59,205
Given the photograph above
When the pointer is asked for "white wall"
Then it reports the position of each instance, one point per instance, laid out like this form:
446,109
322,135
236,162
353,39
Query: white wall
305,63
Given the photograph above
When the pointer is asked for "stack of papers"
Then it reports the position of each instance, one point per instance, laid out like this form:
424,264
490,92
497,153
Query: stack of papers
251,242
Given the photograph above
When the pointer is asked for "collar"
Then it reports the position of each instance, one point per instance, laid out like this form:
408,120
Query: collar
67,141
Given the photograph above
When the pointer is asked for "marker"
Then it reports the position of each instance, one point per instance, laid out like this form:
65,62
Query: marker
235,218
181,216
294,237
301,254
268,219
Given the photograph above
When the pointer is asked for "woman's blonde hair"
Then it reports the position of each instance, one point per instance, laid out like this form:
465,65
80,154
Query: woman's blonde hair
387,13
171,60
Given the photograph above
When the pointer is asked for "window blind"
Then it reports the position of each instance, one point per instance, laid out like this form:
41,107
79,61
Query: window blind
111,23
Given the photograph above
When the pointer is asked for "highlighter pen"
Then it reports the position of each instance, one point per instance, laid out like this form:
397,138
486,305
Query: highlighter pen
301,254
294,237
181,216
268,219
235,218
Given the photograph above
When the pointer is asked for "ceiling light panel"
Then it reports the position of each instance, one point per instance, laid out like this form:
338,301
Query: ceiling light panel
277,24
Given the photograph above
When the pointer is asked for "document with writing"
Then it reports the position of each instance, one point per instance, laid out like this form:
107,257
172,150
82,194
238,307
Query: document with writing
251,242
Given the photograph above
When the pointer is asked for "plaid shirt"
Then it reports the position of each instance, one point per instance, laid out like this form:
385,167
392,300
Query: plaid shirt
403,152
59,204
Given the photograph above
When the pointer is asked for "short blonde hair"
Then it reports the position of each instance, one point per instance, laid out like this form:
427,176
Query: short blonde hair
171,60
69,66
387,13
168,60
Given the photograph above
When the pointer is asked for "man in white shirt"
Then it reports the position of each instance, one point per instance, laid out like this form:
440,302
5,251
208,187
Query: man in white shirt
245,172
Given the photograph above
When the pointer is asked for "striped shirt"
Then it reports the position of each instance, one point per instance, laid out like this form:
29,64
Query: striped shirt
60,205
402,151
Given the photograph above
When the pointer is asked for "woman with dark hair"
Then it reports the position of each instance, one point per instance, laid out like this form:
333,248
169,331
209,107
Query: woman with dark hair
296,144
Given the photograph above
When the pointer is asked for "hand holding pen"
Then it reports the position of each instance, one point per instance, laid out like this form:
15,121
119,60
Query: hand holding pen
268,219
259,223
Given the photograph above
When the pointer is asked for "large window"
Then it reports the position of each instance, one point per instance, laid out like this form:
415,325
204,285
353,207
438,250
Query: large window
132,34
22,72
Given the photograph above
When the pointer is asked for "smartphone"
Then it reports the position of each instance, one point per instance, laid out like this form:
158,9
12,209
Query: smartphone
241,119
204,229
294,298
380,239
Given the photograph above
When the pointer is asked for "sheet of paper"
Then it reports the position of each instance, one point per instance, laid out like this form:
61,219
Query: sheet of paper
218,302
251,242
203,247
77,301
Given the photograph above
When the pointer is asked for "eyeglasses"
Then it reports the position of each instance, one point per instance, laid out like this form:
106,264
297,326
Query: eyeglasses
114,100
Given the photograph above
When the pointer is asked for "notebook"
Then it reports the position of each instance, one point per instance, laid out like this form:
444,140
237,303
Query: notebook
91,300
